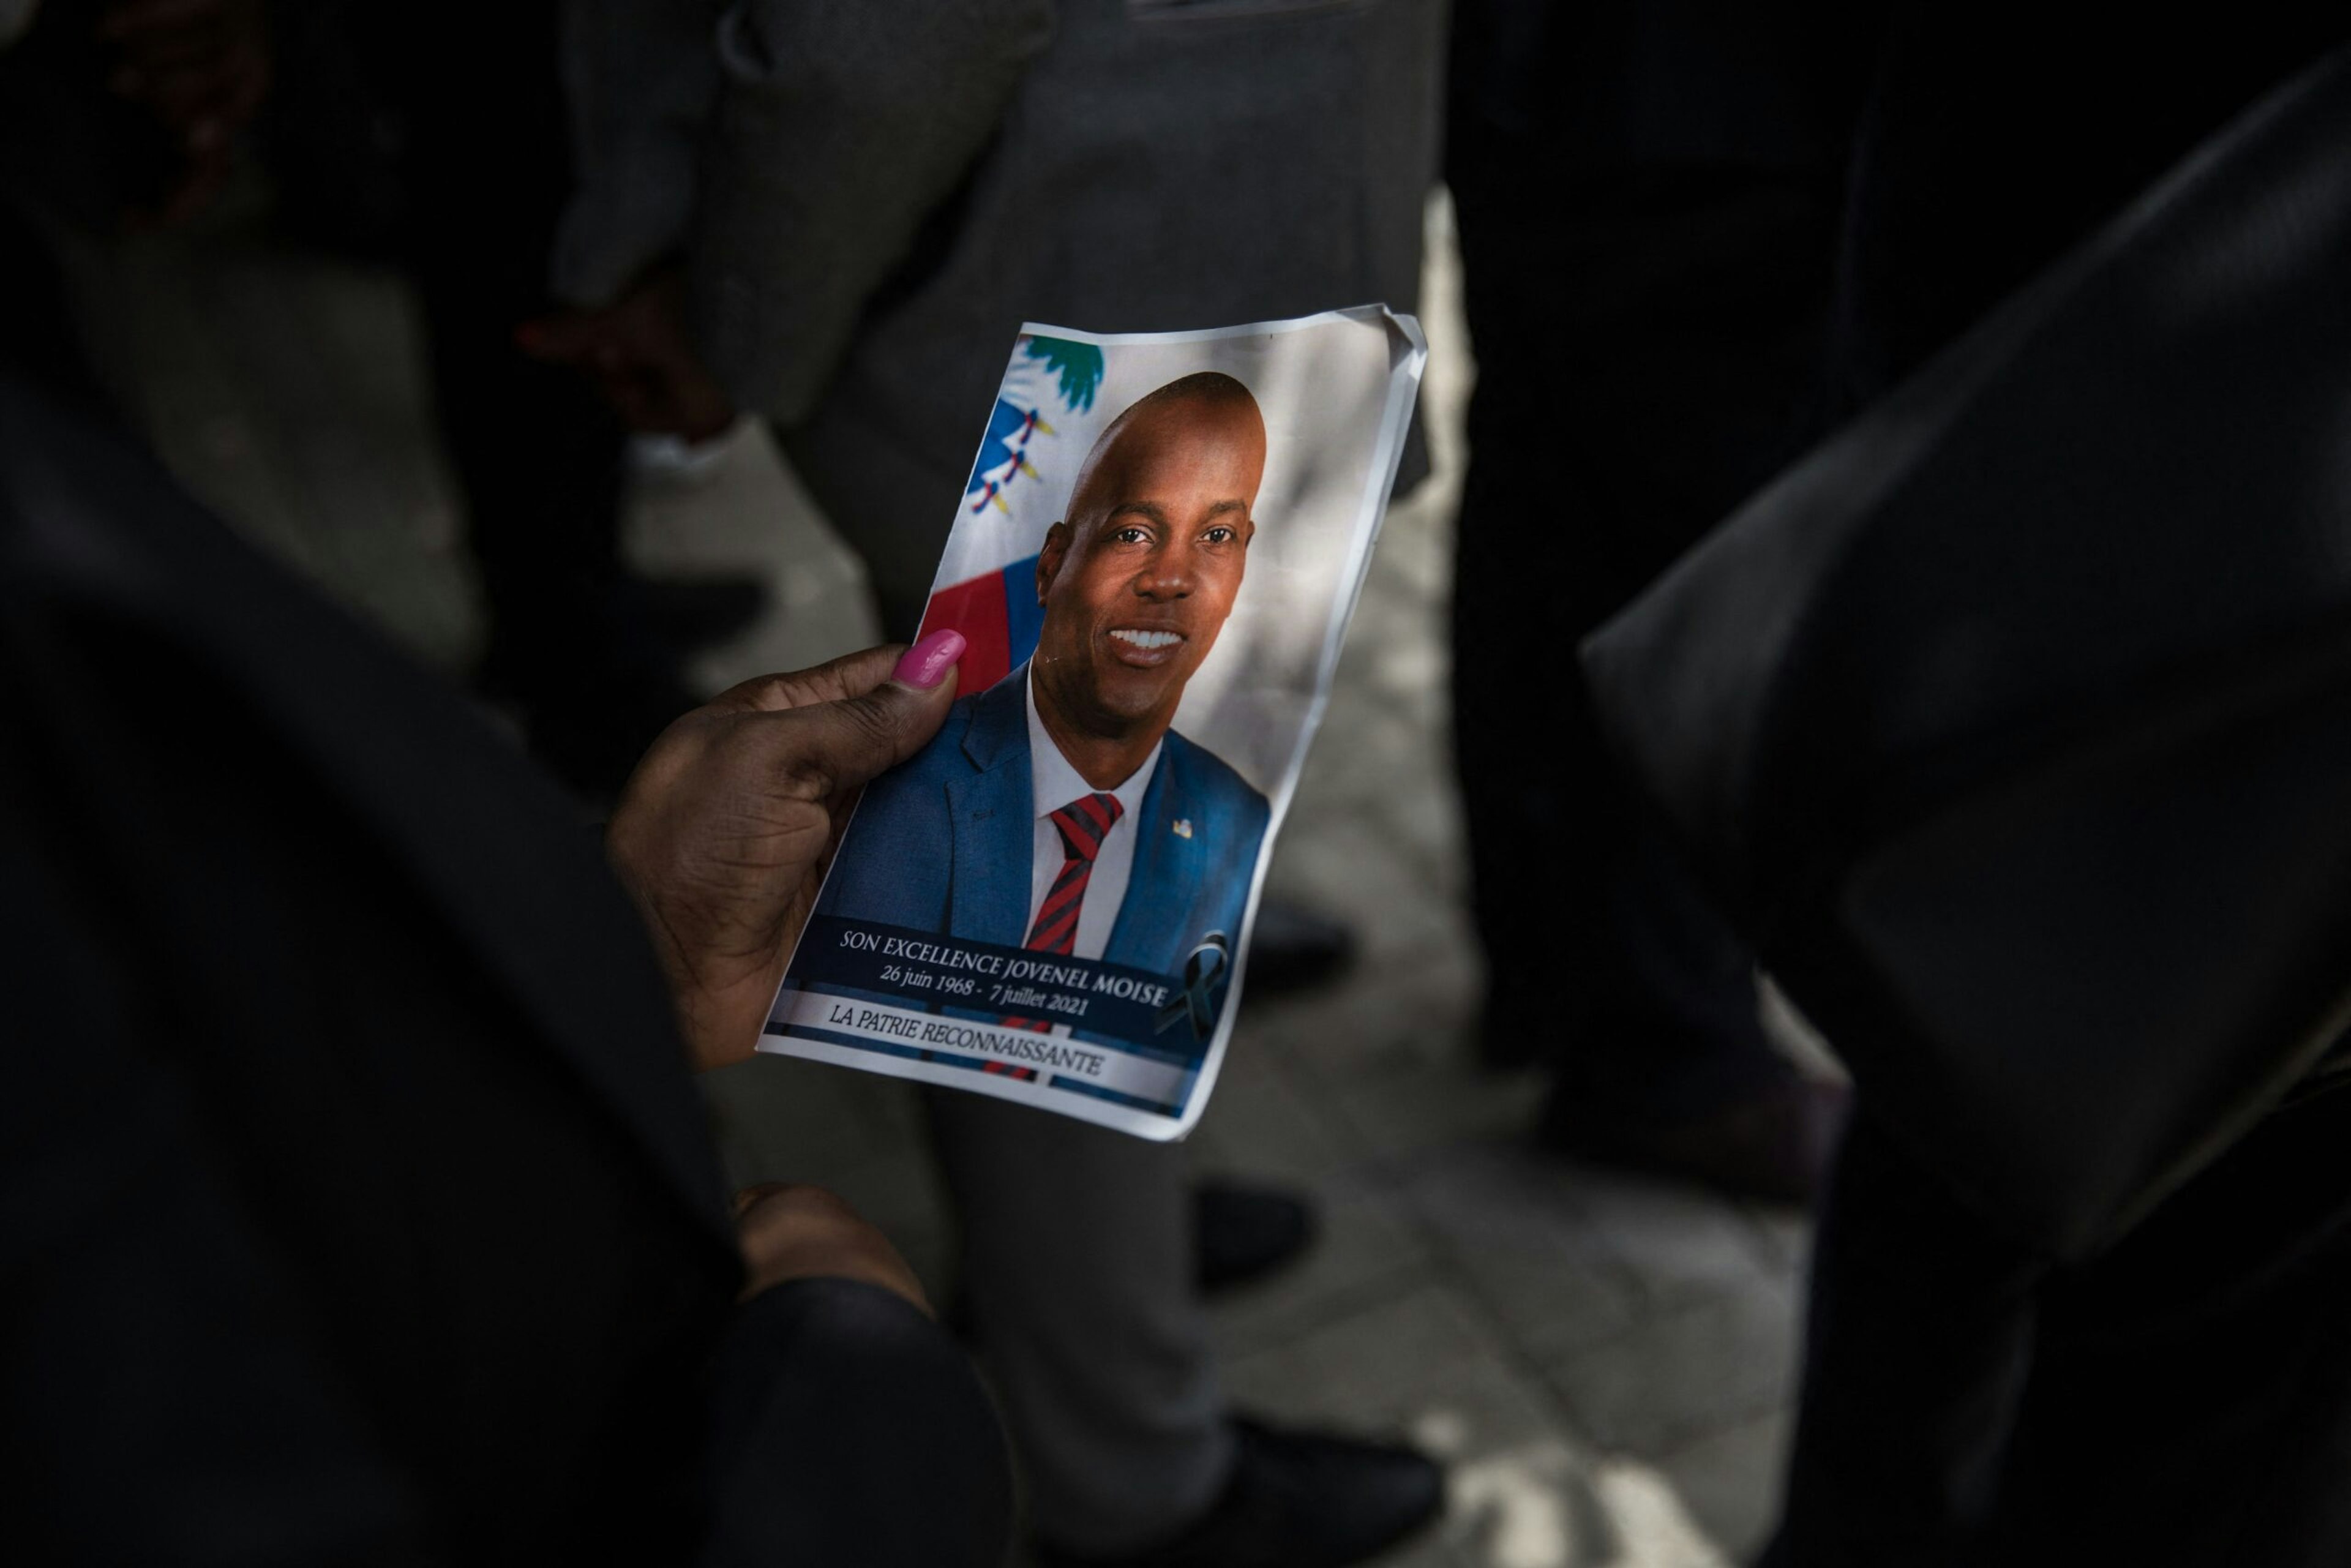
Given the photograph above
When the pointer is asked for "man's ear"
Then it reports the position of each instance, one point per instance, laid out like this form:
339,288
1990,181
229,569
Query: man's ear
1048,559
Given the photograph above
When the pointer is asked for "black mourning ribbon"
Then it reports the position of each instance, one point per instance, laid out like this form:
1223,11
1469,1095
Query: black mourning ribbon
1202,970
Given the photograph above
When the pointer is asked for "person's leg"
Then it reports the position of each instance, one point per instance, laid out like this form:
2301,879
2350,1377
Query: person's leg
537,453
1079,1269
1647,207
2186,1397
1605,439
1916,1342
2190,1393
1603,961
1077,1266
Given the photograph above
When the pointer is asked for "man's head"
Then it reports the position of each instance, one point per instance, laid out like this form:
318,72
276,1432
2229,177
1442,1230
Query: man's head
1137,578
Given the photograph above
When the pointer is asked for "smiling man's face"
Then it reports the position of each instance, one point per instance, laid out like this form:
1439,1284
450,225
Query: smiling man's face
1137,582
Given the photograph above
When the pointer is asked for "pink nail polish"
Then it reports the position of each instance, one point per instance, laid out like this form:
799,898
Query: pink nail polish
927,663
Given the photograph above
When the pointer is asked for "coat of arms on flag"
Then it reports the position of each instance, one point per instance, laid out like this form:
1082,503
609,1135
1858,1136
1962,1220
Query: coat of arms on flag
1043,424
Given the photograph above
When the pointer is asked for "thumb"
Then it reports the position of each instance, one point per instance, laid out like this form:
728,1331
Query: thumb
835,745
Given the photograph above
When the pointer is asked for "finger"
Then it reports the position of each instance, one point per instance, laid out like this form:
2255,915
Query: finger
809,1233
832,747
567,338
750,1195
850,675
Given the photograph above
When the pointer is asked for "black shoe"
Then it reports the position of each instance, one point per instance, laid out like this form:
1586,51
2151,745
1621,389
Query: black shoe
1242,1233
1292,947
1774,1147
1296,1500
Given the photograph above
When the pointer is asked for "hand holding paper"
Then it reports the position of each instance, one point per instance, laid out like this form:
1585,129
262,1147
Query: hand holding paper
723,831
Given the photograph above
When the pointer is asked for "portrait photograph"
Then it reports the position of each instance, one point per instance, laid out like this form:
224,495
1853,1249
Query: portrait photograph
1152,564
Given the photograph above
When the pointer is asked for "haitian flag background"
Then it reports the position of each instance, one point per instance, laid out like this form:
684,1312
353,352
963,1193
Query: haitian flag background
1048,412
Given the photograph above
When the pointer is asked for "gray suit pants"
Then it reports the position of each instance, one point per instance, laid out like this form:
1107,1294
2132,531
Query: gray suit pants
1077,1262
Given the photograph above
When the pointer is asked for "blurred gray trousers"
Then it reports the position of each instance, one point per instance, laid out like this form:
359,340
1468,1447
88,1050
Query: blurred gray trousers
871,197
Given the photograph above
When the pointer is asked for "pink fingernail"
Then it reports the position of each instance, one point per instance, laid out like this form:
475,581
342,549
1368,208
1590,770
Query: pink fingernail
927,663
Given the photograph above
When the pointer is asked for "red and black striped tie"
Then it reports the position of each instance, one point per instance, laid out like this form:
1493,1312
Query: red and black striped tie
1083,824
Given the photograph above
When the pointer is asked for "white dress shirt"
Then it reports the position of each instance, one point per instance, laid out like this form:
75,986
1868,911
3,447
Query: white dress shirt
1054,784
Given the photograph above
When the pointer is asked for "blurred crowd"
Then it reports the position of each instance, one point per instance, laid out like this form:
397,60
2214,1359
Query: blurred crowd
354,1197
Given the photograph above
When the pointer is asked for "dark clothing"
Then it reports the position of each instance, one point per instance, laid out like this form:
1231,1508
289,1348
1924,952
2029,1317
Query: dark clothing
486,167
849,1429
885,191
1981,159
354,1205
2013,716
440,130
1647,199
2185,1398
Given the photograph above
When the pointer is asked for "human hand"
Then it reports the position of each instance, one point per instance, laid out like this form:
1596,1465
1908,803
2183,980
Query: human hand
722,833
636,352
200,68
788,1231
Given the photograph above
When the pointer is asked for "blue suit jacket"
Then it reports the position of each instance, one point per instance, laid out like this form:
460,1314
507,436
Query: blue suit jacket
943,842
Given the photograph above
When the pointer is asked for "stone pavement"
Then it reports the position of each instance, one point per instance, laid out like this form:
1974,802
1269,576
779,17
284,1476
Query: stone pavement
1605,1363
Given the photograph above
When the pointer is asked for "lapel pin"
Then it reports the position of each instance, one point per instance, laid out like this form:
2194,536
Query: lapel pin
1183,827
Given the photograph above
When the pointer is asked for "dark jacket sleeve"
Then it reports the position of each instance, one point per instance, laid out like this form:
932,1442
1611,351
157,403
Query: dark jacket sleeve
849,1428
165,1395
840,127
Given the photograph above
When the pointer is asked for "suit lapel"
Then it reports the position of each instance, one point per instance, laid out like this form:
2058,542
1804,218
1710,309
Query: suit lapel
990,813
1154,924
